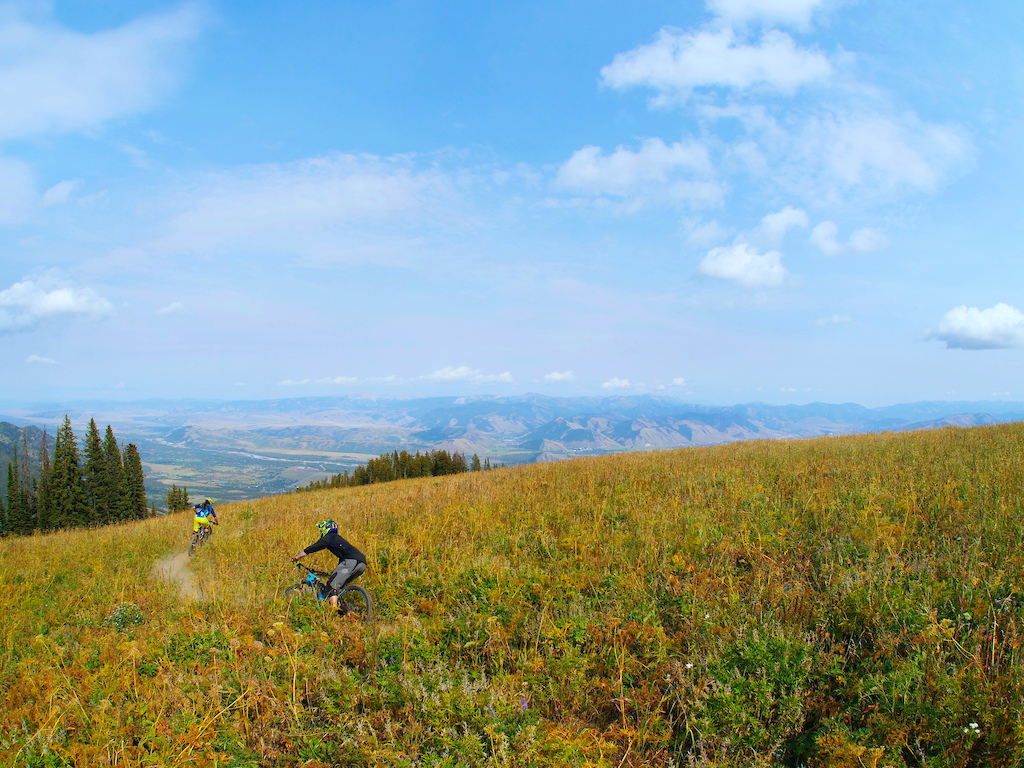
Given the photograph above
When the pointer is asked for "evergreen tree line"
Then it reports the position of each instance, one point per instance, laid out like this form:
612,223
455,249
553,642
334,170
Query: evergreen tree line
177,499
400,466
99,485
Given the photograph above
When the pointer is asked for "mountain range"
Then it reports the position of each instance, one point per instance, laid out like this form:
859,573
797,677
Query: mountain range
269,446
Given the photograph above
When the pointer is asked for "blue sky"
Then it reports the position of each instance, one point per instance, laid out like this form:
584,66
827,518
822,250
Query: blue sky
720,201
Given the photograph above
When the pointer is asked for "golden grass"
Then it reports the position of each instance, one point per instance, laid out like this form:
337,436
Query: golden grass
841,601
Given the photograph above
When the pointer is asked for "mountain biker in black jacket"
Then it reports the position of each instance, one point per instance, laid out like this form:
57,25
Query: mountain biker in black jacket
351,562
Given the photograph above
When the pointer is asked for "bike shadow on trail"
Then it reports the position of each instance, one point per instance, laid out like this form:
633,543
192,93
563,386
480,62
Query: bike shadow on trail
174,568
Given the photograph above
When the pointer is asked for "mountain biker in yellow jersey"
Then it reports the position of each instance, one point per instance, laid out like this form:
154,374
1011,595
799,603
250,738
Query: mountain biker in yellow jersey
351,562
204,516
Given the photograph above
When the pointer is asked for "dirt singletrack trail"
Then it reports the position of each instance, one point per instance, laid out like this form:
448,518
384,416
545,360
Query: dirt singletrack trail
175,568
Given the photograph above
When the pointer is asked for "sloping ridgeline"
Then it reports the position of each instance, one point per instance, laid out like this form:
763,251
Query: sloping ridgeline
13,437
837,602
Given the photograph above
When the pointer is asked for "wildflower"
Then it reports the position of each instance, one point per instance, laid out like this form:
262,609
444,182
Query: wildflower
125,616
689,665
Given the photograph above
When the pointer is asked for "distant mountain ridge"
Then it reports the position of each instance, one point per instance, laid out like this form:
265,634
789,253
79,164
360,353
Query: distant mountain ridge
297,439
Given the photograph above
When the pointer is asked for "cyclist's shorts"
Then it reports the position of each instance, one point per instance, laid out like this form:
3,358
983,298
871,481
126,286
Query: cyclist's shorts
198,521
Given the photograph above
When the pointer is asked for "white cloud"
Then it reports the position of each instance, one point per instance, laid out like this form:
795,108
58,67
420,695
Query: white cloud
464,373
616,383
24,304
33,359
655,165
60,192
965,327
563,376
826,237
174,307
677,62
344,380
795,12
679,382
774,226
745,265
54,79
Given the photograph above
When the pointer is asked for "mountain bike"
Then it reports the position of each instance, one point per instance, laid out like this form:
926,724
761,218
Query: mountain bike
198,537
354,602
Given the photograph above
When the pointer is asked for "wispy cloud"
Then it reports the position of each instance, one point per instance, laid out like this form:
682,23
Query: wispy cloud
997,327
677,173
323,206
58,80
833,320
175,307
60,192
826,237
34,359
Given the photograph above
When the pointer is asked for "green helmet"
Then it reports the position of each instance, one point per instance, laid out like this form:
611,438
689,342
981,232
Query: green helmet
326,525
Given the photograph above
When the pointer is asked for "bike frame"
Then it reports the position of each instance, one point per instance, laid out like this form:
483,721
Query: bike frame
314,579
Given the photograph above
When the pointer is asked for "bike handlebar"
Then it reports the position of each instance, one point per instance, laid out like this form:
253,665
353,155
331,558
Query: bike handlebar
312,570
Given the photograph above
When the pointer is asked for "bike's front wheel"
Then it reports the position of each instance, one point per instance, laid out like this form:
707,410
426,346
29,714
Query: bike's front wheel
355,603
193,545
301,588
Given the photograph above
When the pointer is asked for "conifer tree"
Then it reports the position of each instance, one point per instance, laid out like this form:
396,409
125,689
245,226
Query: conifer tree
68,508
135,482
44,512
117,480
19,518
94,477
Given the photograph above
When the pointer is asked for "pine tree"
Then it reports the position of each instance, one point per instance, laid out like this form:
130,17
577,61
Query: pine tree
68,508
474,464
27,482
177,499
44,512
117,480
94,475
19,519
135,481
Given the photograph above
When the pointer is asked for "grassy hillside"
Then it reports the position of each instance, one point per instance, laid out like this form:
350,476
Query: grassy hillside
834,602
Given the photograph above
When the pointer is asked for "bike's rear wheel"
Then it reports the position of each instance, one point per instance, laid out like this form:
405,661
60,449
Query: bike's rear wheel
355,603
